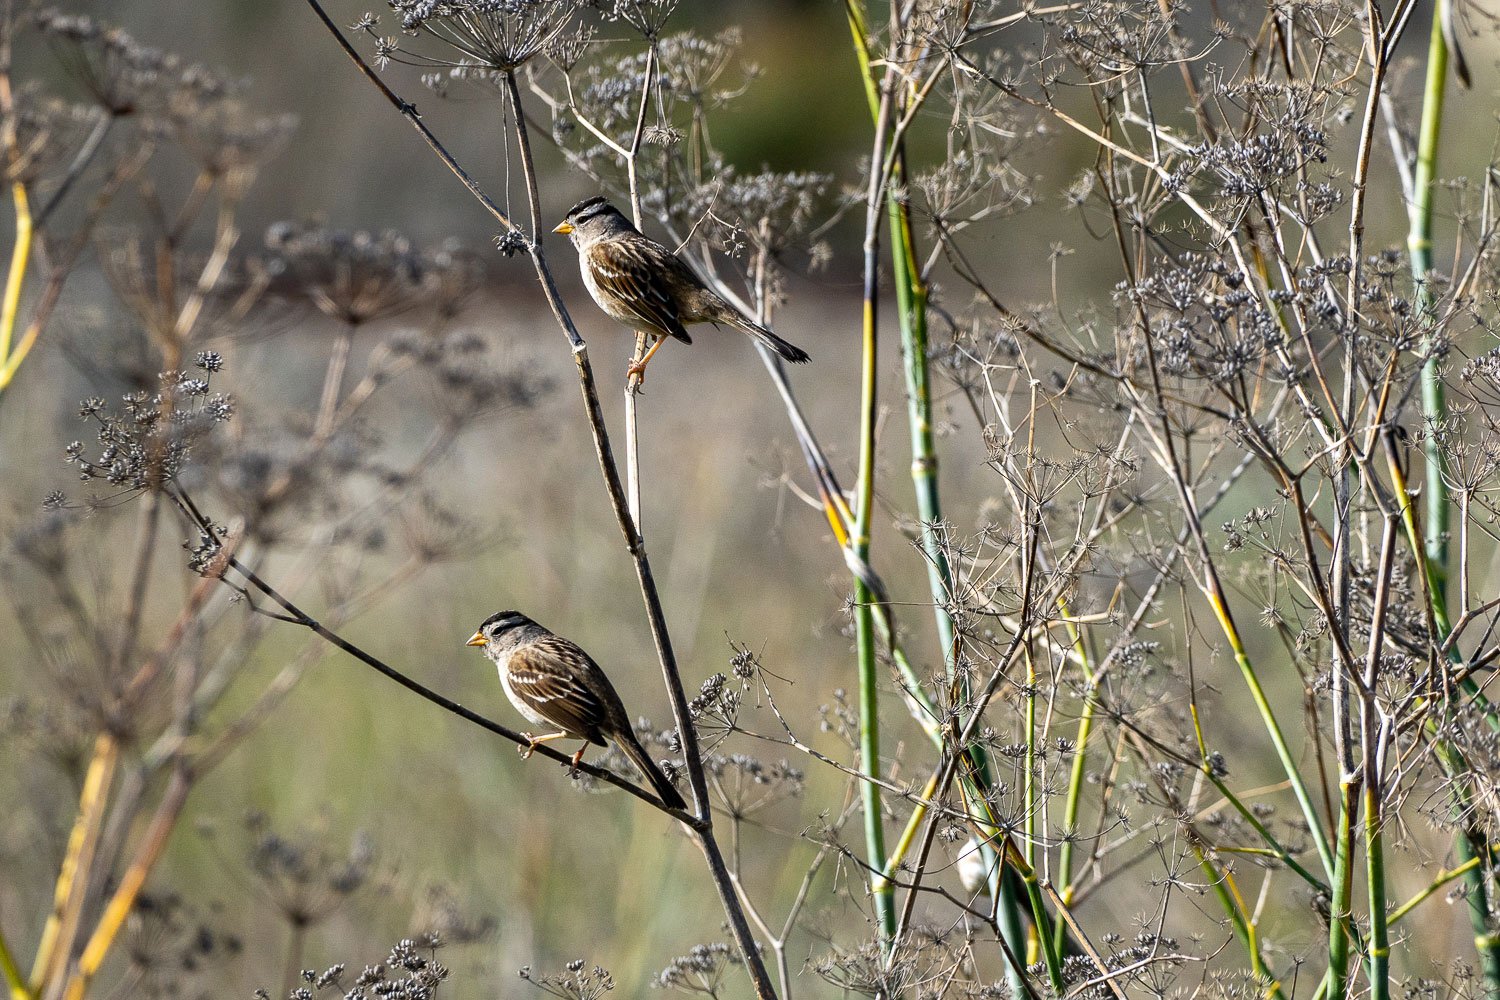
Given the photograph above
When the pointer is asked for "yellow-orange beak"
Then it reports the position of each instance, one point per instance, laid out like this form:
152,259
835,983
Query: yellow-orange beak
563,227
477,639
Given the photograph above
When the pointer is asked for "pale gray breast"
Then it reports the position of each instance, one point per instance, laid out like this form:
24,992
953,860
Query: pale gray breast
502,663
603,299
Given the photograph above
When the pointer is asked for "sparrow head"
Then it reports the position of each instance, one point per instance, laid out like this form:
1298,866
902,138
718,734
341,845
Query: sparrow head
591,220
498,625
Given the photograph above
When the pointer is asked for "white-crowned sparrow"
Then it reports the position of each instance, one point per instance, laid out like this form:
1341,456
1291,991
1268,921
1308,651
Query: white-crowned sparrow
645,286
553,682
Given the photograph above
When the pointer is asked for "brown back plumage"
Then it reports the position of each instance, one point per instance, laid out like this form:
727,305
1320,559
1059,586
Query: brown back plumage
591,712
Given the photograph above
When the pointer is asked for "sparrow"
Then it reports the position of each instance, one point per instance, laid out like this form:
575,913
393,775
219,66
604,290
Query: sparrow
553,682
642,284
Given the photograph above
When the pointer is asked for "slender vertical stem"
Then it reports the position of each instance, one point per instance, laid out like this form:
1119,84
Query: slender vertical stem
1030,803
642,341
869,753
1374,734
140,581
1050,952
1079,771
864,623
85,155
20,254
1207,578
911,313
1223,884
1479,895
131,882
1342,558
1435,508
333,382
14,981
1379,948
1419,245
1007,912
73,877
294,947
1341,562
633,441
1339,904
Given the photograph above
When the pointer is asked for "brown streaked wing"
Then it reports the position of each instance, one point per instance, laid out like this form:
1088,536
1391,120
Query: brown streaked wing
632,271
546,675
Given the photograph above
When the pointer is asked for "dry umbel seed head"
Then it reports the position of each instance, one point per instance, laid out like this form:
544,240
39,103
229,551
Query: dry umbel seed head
355,277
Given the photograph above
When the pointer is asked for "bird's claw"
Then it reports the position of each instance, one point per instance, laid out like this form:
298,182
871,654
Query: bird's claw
530,747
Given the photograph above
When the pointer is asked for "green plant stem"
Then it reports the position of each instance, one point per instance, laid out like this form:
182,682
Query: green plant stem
1273,846
1079,771
881,890
1223,888
1480,892
1051,953
1007,916
12,972
1419,244
925,712
911,301
1030,805
911,312
1434,410
1339,903
1234,907
10,303
1379,945
1273,728
1459,871
1486,942
1472,848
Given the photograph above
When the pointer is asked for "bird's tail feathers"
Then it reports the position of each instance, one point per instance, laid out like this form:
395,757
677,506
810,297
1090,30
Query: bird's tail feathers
787,351
632,748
